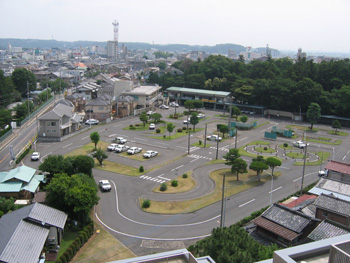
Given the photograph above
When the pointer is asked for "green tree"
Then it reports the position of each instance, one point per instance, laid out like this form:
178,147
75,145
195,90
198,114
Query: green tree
235,111
162,65
5,117
259,167
56,164
224,129
244,119
231,156
273,163
335,125
20,77
188,104
170,127
45,95
75,195
194,120
100,155
153,78
198,104
144,118
95,138
313,113
22,109
7,90
156,116
83,164
239,166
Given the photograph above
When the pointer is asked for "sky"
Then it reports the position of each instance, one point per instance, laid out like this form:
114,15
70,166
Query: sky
313,25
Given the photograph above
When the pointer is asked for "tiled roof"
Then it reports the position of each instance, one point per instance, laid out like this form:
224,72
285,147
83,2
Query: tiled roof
333,204
301,201
276,228
339,167
328,229
97,102
287,218
21,173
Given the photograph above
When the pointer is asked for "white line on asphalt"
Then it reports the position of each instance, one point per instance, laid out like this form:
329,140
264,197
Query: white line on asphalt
67,145
179,167
275,189
75,147
270,127
263,130
344,157
304,176
112,135
85,137
164,178
247,203
182,147
242,139
284,167
140,139
348,152
42,158
296,179
193,160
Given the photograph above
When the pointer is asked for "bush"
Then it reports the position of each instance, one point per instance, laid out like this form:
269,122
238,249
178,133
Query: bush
141,169
157,130
23,154
146,203
164,136
163,187
174,183
137,125
70,251
179,130
68,257
200,142
189,129
184,176
131,126
63,258
184,128
285,144
265,148
58,261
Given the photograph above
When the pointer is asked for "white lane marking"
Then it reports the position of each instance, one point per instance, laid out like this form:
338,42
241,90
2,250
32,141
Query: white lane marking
284,167
75,147
112,135
67,145
348,152
275,189
242,139
194,160
182,147
263,130
42,158
140,139
247,203
344,157
164,178
304,176
85,137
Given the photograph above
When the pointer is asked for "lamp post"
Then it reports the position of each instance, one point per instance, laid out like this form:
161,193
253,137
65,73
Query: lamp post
188,151
236,138
302,177
222,202
271,189
205,136
217,148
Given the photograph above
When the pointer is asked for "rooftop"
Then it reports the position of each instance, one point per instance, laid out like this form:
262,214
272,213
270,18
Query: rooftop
202,91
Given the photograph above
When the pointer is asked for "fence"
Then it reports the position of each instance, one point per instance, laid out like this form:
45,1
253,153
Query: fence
7,134
243,126
35,112
285,133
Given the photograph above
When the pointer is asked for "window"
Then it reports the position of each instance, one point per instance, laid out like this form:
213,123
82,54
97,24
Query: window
53,123
324,214
101,108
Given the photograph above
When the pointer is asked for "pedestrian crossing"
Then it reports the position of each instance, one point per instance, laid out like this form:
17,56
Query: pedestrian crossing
194,148
200,157
221,149
146,177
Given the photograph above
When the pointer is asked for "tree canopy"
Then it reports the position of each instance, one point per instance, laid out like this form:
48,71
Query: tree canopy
313,113
95,138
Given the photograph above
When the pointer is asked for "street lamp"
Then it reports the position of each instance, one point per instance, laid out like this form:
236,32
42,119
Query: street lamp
217,148
271,189
302,177
189,132
222,220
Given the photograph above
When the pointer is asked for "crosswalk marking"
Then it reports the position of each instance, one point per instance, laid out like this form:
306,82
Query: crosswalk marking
146,177
200,157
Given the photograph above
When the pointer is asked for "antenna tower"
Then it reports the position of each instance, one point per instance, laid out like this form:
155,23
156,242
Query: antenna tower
115,29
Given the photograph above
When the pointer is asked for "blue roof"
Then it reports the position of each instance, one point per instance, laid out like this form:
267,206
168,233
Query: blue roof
22,173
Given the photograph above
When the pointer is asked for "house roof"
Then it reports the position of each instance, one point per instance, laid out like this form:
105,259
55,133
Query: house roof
97,102
65,102
287,218
125,98
24,231
22,173
327,229
338,167
143,90
333,204
329,186
58,112
299,202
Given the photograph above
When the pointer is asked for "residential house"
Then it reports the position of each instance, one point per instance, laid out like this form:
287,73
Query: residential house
58,122
333,208
145,96
126,106
100,108
78,100
338,171
330,186
89,89
26,231
327,229
284,226
20,183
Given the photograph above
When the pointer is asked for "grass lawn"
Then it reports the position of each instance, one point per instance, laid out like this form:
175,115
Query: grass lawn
118,168
323,141
323,156
88,148
338,133
232,186
286,148
184,185
262,150
200,145
295,155
137,156
102,247
303,128
174,136
243,152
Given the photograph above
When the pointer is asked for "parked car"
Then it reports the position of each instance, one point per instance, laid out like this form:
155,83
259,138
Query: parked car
152,126
187,121
323,173
173,104
134,150
252,112
299,144
112,147
35,156
92,122
105,185
214,137
201,115
150,154
121,148
150,112
163,106
120,140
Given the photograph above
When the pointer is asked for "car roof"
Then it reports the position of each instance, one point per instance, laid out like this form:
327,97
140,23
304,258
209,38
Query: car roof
104,181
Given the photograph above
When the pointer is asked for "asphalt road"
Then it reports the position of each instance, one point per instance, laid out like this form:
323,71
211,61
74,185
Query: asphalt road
147,233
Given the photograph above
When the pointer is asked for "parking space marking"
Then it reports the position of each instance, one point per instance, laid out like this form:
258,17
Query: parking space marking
112,135
67,145
85,137
247,203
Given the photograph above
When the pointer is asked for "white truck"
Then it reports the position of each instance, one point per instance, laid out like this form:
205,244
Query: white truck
299,144
214,137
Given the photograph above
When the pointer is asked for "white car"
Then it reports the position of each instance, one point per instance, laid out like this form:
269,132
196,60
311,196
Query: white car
150,154
187,121
201,115
214,137
92,122
150,112
112,147
134,150
173,104
163,106
152,126
120,140
35,156
299,144
105,185
121,148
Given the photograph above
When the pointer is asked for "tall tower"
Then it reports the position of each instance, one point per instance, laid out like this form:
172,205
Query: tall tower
115,29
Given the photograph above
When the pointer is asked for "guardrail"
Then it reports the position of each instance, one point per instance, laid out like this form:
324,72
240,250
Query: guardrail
7,134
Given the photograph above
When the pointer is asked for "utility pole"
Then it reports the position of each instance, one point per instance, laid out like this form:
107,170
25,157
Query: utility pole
188,152
222,202
229,120
205,136
236,138
28,98
302,177
217,148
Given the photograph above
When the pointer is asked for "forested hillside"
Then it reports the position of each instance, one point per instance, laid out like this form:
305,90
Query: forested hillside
280,84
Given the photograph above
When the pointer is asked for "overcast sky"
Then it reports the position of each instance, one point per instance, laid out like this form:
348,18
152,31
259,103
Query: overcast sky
313,25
